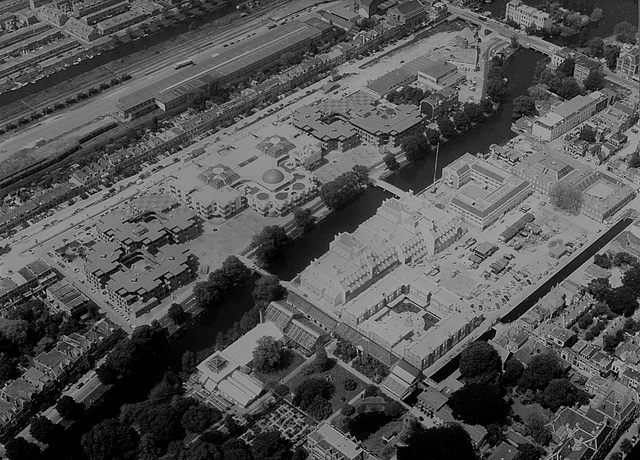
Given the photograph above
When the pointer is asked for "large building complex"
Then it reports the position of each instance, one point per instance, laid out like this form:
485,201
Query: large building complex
272,182
342,124
328,443
566,116
527,16
603,195
485,192
230,65
141,259
365,284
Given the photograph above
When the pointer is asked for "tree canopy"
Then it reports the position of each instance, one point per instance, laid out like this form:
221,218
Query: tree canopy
68,408
480,362
446,127
310,390
109,440
594,81
270,244
478,404
559,392
343,189
268,354
541,370
566,197
416,146
524,106
444,442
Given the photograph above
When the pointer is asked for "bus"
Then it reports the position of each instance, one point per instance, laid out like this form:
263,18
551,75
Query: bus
182,64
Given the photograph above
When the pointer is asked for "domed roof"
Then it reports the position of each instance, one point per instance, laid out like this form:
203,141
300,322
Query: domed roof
273,176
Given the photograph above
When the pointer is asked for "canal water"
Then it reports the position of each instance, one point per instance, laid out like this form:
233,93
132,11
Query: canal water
614,11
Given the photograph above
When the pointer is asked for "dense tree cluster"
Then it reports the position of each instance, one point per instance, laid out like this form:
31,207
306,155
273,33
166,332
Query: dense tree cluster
495,80
480,363
131,354
268,355
221,282
345,351
407,95
537,428
370,367
313,396
391,162
478,404
594,81
446,127
304,218
587,134
625,32
621,300
270,244
442,442
68,408
566,197
27,330
416,147
524,106
343,189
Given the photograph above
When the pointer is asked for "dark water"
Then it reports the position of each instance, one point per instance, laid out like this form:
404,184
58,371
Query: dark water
614,11
106,57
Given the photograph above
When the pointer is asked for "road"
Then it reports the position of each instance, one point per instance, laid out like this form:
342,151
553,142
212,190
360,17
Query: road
195,45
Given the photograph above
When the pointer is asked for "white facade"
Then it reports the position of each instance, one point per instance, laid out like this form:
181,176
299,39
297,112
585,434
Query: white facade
526,16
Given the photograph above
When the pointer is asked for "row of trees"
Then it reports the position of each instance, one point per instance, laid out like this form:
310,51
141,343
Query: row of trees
345,188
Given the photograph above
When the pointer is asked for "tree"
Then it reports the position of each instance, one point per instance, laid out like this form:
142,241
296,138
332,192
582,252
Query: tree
474,112
566,197
495,89
200,417
310,389
569,88
623,300
391,162
595,15
320,408
611,54
268,289
321,363
602,260
342,190
631,279
623,258
524,106
487,106
188,363
537,429
585,321
432,135
268,354
18,448
587,134
513,369
515,44
634,160
444,442
559,392
611,341
496,72
596,47
68,408
538,93
269,445
393,409
599,288
176,313
616,456
594,81
109,440
566,68
625,32
461,121
415,147
478,404
626,446
270,244
480,362
446,127
542,369
304,219
529,452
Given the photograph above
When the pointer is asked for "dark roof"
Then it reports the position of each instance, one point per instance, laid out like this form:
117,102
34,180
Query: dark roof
311,310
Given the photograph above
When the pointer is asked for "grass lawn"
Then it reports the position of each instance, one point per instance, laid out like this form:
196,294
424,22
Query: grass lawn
336,375
293,360
375,445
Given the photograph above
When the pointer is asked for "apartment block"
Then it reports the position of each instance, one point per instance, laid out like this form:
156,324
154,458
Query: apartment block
527,16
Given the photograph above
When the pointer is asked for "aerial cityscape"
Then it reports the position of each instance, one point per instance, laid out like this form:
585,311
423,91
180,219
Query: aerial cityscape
319,229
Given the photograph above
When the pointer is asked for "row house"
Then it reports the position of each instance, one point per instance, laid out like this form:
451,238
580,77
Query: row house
20,398
588,358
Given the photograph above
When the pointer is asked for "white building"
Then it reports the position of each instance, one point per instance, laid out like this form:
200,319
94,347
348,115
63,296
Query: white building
527,16
566,116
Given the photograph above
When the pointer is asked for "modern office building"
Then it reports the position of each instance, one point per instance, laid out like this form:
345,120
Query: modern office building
485,192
